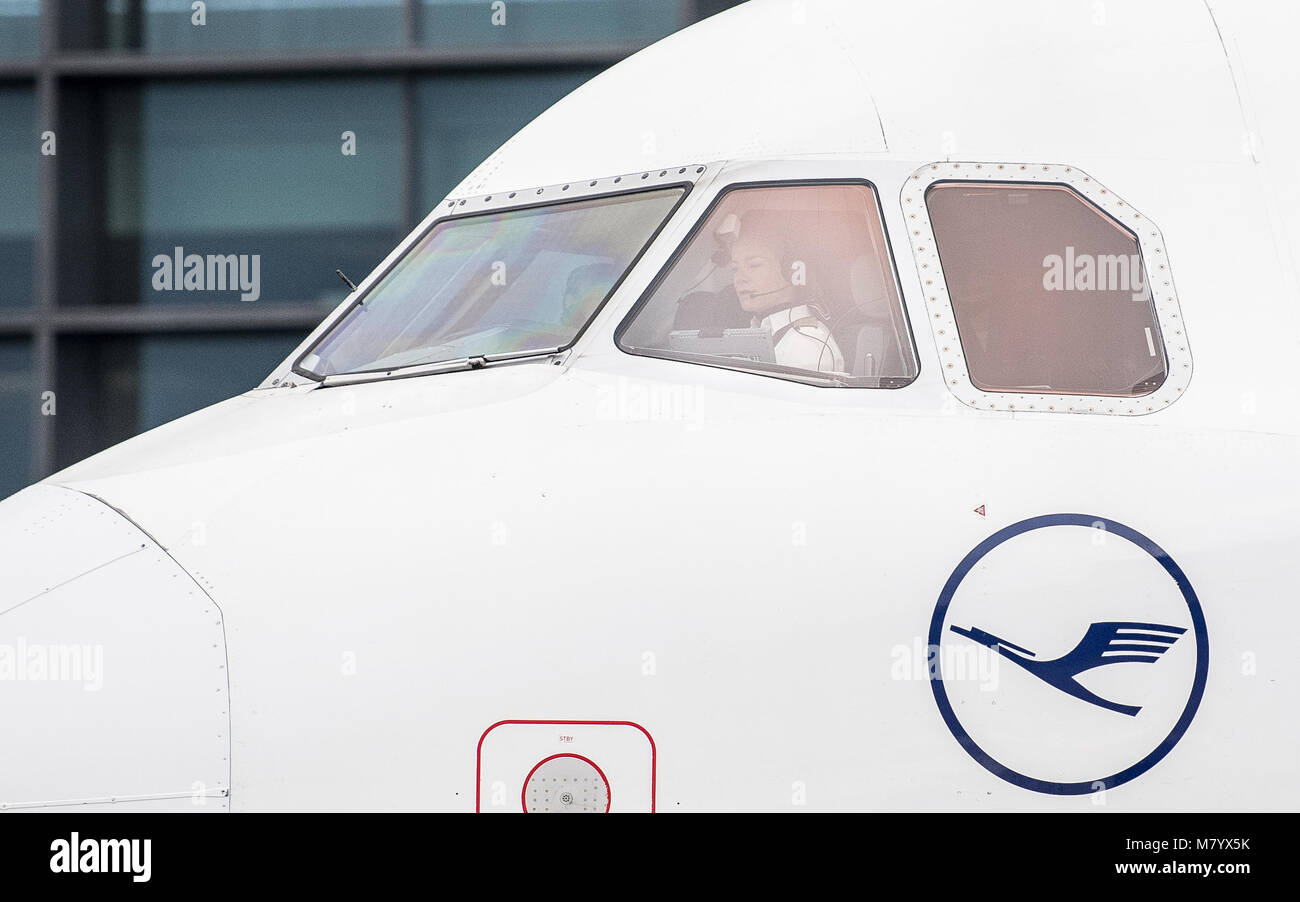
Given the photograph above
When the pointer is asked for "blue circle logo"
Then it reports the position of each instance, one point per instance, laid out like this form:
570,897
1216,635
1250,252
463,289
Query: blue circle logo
1119,661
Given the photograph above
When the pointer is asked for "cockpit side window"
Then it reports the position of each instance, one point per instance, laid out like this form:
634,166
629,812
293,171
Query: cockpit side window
789,279
1050,293
1044,290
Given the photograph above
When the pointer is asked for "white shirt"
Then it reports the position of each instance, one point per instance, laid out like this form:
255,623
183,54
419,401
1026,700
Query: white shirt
807,343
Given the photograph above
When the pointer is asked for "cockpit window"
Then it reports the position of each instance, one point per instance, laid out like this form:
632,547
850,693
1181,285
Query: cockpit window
512,282
792,280
1049,292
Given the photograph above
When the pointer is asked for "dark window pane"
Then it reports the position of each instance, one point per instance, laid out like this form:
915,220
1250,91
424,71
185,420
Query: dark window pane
19,28
114,387
451,22
19,172
255,174
1049,292
166,26
462,119
18,404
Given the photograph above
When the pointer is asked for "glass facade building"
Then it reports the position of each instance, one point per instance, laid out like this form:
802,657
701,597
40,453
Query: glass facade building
306,135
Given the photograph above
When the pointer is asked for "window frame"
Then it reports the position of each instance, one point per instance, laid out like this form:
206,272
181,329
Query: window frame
770,371
941,316
683,177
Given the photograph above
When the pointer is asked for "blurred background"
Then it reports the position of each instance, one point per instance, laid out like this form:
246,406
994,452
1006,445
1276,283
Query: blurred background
225,137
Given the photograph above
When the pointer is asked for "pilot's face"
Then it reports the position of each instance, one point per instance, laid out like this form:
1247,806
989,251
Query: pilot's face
757,276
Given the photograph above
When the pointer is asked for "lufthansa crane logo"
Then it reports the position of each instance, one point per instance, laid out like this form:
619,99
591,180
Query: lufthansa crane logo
1125,643
1119,659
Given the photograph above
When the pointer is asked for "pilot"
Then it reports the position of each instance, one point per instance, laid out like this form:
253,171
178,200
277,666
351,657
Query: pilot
792,313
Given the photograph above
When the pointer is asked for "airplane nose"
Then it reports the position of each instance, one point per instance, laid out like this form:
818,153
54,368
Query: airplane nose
113,685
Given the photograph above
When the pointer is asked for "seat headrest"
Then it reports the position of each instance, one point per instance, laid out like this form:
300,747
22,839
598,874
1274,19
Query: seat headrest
868,286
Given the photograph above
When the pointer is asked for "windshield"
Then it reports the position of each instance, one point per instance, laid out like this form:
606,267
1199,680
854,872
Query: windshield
511,282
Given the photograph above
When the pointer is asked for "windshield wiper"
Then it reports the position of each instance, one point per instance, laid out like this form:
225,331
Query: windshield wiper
442,366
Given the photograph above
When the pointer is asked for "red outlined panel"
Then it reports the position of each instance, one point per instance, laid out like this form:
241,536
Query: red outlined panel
542,743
